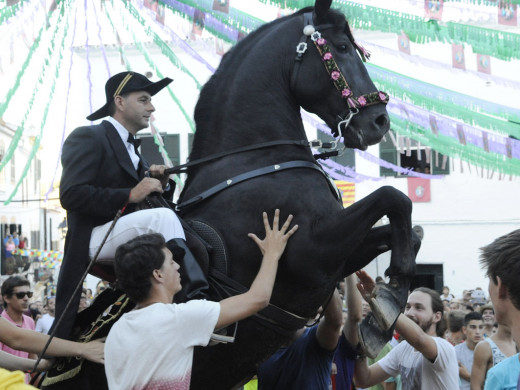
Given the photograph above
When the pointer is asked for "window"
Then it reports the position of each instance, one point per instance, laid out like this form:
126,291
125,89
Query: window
407,153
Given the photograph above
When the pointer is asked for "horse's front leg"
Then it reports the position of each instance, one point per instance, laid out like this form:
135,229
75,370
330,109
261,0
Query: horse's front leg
387,300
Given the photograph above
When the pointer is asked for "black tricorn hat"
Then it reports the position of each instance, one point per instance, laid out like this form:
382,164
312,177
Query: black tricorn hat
126,82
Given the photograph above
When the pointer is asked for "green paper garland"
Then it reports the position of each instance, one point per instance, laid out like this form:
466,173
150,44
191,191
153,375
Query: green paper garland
441,105
165,49
19,131
452,147
160,75
37,140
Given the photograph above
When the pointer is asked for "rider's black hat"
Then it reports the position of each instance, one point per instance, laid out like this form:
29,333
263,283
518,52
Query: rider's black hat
126,82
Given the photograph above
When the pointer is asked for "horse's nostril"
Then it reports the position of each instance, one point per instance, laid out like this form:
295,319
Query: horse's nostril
382,120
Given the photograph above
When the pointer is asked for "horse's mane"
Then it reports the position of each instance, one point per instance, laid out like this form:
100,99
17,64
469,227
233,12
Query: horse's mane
214,91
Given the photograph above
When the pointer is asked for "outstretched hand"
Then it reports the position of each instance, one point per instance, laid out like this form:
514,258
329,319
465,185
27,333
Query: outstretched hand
95,351
275,238
365,285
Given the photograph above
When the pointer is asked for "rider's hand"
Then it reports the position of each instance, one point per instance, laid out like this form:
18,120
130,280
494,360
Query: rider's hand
157,172
145,188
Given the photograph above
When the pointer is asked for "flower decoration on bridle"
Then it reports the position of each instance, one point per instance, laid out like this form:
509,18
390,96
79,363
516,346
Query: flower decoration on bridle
339,80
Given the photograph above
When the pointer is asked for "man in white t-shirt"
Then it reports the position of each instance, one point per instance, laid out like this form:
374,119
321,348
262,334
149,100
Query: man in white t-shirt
424,360
43,325
473,330
151,347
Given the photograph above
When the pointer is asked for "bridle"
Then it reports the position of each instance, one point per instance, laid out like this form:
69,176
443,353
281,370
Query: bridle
353,103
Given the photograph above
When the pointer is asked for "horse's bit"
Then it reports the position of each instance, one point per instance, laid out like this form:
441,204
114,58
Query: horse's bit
337,77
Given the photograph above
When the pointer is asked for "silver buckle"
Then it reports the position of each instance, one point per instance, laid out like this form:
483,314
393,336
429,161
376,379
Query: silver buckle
301,48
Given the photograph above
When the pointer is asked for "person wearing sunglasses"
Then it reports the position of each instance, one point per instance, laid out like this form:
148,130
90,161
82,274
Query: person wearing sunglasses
16,292
15,340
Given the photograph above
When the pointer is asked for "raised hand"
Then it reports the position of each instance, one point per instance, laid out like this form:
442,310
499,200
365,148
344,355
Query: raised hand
275,238
365,285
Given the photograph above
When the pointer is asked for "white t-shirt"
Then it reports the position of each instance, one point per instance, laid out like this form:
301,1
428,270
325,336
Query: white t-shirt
152,347
417,372
43,325
465,356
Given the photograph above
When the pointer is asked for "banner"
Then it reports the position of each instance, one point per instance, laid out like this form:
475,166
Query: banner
433,9
457,56
483,63
403,42
418,189
507,14
198,22
221,6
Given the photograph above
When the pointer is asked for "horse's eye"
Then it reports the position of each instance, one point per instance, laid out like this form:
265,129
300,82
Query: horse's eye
342,48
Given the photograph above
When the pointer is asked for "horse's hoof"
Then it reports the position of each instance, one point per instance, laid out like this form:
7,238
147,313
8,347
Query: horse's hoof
385,306
371,337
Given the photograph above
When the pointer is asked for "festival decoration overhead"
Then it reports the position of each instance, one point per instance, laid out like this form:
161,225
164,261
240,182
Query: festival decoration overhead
481,35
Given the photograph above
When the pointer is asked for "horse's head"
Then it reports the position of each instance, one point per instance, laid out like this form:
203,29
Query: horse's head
329,79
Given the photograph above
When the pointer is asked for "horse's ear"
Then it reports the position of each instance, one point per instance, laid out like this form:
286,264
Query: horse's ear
321,8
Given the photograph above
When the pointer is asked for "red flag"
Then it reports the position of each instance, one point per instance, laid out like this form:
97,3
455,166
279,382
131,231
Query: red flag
348,192
404,43
221,6
433,9
483,63
419,189
458,60
507,14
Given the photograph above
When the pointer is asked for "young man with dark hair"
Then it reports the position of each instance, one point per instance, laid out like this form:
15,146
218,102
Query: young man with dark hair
424,359
16,292
147,270
473,330
501,259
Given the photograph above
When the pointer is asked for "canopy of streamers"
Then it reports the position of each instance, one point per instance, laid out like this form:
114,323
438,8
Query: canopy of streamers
450,67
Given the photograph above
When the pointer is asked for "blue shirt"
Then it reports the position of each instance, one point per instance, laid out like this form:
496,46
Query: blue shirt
303,365
504,376
345,359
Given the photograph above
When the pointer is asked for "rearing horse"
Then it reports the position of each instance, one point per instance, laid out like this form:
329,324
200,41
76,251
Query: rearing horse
251,108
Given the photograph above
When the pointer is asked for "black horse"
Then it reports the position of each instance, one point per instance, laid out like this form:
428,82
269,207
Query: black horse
250,141
250,111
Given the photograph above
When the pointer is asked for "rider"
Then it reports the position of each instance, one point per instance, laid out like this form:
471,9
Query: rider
103,172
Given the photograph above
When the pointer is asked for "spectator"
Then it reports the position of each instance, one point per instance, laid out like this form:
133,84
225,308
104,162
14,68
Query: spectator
345,355
489,352
43,325
488,316
306,362
16,294
473,330
147,271
446,294
455,323
83,302
504,376
424,360
456,304
501,259
33,342
478,296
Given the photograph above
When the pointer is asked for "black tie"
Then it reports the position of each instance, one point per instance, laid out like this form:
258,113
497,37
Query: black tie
135,142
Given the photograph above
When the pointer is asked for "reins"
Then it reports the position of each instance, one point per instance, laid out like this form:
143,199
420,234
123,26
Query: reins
315,144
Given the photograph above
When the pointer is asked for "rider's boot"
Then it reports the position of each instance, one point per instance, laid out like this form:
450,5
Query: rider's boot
193,281
371,337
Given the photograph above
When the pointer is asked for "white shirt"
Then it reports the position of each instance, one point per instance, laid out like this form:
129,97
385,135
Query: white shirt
123,133
417,372
152,347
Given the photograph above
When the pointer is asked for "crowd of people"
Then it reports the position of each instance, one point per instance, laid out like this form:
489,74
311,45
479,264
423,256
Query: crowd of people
439,342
